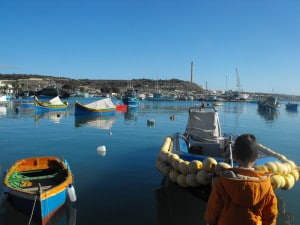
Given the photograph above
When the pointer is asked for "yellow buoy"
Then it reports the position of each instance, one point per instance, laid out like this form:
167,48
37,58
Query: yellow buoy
172,157
221,166
289,182
191,180
204,177
181,180
209,164
194,166
163,156
175,164
183,167
166,170
288,167
292,164
271,167
261,168
295,174
173,175
277,181
281,169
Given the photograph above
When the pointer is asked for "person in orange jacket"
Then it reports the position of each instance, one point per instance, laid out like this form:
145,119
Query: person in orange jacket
242,195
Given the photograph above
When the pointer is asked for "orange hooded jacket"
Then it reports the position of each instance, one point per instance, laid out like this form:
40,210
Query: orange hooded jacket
242,196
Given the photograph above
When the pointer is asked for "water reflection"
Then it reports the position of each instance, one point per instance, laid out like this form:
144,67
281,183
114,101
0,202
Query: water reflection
175,205
131,114
54,116
234,107
66,215
99,122
268,115
284,217
292,113
3,111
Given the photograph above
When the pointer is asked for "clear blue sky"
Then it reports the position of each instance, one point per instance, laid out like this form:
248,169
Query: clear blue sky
156,39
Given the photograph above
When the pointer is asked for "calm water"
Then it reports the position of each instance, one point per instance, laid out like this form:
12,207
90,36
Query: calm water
124,187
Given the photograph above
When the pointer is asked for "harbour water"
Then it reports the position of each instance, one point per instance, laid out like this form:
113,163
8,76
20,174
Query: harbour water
123,186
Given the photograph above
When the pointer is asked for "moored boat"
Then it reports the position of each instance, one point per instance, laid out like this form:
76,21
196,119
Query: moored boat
158,96
53,104
269,104
293,106
130,98
197,156
39,186
102,107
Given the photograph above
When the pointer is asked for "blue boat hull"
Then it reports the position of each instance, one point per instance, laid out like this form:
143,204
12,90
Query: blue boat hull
45,109
131,102
94,113
44,209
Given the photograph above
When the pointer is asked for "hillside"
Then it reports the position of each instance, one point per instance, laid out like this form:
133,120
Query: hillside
30,82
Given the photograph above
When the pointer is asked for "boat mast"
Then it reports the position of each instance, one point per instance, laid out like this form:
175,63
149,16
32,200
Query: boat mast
238,84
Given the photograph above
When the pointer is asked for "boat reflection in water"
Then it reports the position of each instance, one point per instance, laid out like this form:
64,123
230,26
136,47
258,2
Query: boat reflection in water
131,114
54,116
268,115
177,206
3,110
99,122
67,214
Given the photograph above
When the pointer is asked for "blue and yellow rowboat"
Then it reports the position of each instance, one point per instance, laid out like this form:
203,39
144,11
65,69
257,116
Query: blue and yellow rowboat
39,186
54,104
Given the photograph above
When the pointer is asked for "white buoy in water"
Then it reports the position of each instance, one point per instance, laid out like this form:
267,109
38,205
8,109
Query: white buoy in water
72,193
101,150
110,133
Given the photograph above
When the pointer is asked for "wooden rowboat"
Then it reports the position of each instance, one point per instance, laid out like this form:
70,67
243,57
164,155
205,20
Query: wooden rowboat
54,104
39,186
102,107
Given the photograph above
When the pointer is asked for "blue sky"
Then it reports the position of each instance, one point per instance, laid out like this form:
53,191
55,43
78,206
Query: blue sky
157,39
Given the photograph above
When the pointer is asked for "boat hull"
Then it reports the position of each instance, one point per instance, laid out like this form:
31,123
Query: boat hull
292,106
44,106
43,209
131,102
83,110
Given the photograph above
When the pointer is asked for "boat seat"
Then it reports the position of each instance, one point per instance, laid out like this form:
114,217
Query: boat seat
34,189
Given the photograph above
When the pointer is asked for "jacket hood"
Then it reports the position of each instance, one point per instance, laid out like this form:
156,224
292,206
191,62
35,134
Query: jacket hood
245,187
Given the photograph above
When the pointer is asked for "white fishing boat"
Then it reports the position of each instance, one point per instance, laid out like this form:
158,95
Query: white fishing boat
194,158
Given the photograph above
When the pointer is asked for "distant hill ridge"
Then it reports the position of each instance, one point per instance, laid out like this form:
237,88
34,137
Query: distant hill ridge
109,85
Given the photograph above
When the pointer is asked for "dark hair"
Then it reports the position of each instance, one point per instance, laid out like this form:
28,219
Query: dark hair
245,148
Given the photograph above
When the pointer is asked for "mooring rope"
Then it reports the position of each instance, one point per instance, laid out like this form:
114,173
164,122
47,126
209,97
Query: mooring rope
32,210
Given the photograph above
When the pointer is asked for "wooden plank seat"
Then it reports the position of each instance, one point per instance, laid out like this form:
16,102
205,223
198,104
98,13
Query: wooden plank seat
36,188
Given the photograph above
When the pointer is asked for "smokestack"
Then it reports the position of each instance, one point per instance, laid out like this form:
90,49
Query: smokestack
192,71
